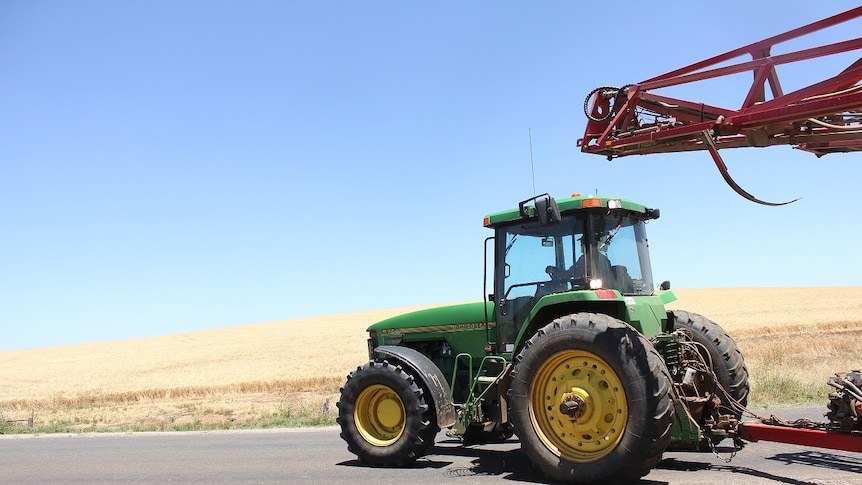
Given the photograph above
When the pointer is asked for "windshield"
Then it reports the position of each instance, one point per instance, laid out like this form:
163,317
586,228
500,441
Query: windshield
597,250
622,248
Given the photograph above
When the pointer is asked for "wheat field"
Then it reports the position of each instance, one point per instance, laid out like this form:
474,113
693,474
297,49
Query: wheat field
287,372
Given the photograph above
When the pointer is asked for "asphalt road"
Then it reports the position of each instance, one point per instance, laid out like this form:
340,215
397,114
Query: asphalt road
319,456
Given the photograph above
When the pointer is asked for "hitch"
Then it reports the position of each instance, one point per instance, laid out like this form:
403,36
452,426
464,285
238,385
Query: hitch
819,438
842,432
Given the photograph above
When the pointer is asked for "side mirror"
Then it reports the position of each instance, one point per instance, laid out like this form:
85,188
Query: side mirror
547,209
665,285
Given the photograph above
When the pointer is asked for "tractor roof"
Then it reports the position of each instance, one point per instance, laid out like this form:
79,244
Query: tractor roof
575,203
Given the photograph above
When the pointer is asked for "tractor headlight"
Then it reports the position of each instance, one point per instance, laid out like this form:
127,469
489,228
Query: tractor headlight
596,284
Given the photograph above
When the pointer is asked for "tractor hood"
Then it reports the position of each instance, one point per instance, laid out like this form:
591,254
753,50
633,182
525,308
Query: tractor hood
463,316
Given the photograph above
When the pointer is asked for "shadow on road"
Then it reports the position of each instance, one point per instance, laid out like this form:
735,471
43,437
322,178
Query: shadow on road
674,464
831,461
820,459
811,458
504,461
418,465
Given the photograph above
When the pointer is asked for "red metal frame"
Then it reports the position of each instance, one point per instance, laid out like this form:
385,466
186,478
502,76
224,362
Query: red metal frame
833,440
825,117
784,117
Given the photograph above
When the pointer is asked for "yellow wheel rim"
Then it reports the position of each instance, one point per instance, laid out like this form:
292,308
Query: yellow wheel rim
578,406
379,415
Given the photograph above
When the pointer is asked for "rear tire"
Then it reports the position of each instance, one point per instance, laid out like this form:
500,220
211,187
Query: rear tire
718,348
384,416
727,361
591,401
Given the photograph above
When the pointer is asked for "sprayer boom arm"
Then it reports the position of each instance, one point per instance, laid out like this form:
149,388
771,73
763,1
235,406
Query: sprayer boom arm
825,117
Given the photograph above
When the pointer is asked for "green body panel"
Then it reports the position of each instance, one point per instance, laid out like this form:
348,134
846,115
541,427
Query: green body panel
461,318
646,313
666,296
464,325
463,313
685,429
441,333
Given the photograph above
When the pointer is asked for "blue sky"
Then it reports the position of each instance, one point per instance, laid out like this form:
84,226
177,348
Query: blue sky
171,166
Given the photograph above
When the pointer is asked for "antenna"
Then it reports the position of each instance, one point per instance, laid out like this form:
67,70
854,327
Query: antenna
532,168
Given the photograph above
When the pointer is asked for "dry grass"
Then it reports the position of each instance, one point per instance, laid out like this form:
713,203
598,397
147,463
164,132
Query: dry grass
288,372
228,377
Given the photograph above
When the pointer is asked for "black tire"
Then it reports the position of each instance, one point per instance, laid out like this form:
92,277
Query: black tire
727,361
621,392
384,416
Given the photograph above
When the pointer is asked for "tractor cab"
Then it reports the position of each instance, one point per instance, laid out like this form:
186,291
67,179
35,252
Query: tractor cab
592,245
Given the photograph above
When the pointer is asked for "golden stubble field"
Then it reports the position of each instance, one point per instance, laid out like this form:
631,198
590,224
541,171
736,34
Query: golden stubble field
289,371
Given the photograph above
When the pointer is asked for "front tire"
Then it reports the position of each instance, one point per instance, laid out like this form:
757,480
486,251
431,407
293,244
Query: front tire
591,401
384,416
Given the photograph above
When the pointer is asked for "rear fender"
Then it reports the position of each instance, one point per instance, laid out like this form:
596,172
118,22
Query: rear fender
431,376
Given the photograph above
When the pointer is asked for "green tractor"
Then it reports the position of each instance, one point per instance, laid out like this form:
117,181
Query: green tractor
573,351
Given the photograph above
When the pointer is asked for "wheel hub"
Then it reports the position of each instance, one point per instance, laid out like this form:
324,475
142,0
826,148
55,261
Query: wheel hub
578,405
379,415
574,406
